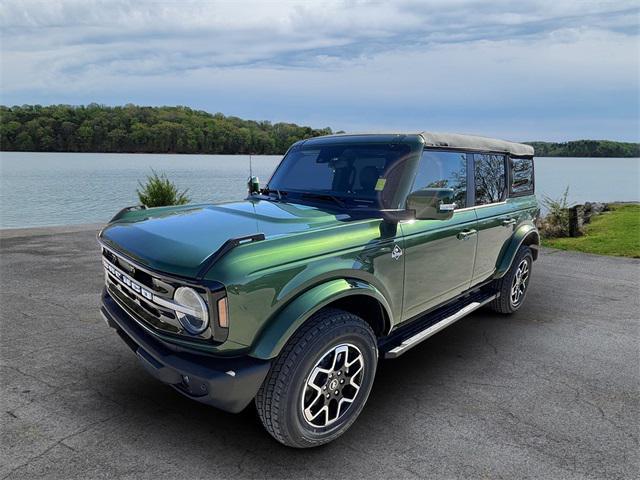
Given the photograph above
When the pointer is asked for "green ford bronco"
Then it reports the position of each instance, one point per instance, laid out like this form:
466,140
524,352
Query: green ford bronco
359,247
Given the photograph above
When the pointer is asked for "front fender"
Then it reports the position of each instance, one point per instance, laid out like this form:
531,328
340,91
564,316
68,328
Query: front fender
526,234
287,320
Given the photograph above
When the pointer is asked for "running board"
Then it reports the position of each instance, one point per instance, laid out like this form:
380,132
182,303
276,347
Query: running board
433,328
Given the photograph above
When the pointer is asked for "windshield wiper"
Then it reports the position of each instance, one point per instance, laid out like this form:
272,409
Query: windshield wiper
326,196
321,196
279,193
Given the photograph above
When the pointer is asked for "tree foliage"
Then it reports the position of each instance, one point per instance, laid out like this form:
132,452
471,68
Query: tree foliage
135,129
586,148
159,191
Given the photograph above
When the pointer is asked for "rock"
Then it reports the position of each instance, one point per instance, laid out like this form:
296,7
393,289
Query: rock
572,224
593,208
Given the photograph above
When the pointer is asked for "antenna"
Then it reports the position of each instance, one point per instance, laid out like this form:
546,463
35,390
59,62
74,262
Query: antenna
253,183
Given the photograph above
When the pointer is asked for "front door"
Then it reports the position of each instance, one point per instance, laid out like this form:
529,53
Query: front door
439,254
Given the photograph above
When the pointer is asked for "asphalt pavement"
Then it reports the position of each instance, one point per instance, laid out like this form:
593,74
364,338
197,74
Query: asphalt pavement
551,392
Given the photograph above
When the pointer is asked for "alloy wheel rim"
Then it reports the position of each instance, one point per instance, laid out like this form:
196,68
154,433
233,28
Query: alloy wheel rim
520,281
333,385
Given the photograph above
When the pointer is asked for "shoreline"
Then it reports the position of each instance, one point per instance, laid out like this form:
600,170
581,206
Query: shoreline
256,155
188,154
6,233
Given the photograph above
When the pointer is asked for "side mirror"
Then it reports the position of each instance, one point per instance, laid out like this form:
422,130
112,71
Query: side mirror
432,203
253,185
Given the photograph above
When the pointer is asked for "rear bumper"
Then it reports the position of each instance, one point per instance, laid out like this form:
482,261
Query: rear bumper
226,383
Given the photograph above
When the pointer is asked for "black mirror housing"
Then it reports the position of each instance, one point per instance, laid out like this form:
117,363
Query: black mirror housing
432,203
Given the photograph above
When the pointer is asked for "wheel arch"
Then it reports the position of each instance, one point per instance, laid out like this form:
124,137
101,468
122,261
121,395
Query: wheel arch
352,295
526,234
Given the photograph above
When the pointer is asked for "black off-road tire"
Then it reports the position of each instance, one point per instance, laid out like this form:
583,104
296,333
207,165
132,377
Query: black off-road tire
280,400
505,302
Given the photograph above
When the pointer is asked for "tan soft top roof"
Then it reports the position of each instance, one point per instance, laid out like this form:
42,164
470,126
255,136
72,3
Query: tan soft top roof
473,142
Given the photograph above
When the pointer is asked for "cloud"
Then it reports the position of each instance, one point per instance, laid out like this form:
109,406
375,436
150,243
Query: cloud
349,64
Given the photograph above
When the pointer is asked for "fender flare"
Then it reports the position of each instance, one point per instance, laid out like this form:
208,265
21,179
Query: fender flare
287,320
526,234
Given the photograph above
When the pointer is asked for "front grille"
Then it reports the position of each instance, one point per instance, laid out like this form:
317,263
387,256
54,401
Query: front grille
140,303
152,317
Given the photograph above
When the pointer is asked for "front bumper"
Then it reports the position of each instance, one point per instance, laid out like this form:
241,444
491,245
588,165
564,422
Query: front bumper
226,383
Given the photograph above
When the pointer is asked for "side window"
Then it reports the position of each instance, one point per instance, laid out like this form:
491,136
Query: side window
441,169
490,178
521,176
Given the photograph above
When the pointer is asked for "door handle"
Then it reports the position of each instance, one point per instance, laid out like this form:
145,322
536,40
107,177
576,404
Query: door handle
508,222
465,234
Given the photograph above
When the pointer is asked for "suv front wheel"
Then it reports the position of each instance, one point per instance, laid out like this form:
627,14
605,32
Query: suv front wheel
320,382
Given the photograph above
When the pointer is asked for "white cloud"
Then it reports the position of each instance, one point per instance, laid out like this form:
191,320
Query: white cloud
332,61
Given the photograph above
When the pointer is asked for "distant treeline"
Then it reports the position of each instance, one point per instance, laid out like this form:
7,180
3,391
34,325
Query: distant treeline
586,148
135,129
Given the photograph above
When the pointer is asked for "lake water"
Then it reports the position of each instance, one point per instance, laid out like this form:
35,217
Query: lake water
38,189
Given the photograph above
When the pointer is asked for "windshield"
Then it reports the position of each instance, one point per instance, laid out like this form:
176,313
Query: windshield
356,174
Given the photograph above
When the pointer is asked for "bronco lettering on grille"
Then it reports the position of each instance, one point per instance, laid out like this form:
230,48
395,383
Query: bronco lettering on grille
127,281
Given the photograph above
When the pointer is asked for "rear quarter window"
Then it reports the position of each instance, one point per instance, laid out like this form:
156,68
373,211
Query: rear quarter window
490,178
522,179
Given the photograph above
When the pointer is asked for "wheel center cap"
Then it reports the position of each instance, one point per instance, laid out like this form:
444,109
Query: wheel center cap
333,385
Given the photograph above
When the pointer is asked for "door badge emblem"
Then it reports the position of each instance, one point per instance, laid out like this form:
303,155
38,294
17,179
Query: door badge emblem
396,253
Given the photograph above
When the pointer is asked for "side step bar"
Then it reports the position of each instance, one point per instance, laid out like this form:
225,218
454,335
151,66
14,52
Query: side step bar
419,337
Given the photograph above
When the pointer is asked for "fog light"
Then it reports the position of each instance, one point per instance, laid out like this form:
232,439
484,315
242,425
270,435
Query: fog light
223,312
194,318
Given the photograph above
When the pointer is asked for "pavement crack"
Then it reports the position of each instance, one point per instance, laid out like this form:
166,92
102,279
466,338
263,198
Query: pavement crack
480,384
580,399
57,346
39,380
488,342
59,442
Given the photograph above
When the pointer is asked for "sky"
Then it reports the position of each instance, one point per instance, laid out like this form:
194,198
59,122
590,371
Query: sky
552,70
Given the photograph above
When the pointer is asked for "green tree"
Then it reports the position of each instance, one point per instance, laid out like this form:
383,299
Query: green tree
586,148
159,191
132,128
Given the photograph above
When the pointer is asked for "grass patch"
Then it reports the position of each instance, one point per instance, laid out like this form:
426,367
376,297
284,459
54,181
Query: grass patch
616,232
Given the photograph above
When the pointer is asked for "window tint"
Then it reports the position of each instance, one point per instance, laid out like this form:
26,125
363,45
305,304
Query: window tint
490,178
369,174
439,169
309,172
522,176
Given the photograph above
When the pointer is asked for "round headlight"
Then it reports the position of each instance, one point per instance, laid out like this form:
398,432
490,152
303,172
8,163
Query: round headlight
195,317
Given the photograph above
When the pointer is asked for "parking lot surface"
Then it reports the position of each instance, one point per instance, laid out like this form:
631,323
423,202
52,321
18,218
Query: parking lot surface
551,392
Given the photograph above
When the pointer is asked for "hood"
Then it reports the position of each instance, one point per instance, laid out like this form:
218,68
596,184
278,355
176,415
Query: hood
178,240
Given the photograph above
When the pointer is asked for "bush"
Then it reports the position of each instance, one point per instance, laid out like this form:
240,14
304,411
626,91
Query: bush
159,191
556,222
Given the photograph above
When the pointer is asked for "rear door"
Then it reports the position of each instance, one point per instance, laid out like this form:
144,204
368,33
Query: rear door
494,214
439,254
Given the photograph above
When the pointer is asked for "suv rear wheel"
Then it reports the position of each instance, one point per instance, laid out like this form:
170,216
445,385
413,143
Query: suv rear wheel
515,283
320,382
